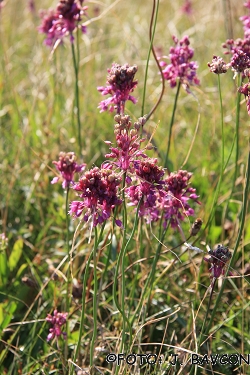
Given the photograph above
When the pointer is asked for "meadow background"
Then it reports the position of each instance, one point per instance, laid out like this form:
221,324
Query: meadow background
37,121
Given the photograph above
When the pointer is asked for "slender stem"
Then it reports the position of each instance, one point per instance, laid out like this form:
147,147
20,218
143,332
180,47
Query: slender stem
77,105
68,270
92,346
243,216
153,21
171,124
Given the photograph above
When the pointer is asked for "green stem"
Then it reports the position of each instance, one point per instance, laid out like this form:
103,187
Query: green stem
243,216
68,271
77,105
92,346
171,124
153,21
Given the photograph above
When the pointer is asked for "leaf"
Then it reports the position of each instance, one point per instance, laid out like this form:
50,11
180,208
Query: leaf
7,310
4,271
15,254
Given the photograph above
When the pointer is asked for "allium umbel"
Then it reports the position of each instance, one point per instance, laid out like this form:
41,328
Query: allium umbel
181,67
218,261
218,65
57,320
57,24
128,143
98,191
120,83
149,191
178,193
67,166
245,89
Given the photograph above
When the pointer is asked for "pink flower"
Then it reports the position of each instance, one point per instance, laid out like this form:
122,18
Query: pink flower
181,67
187,7
218,65
57,321
63,21
149,192
245,89
120,83
128,143
178,192
67,166
98,190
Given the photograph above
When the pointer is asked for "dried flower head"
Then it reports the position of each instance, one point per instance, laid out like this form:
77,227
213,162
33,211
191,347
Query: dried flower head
57,320
218,261
218,65
181,67
67,166
120,83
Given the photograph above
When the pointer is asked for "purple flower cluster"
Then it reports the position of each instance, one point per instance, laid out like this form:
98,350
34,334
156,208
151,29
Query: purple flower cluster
149,191
218,261
187,7
178,193
57,321
56,24
245,89
67,167
246,22
128,143
120,83
181,67
98,190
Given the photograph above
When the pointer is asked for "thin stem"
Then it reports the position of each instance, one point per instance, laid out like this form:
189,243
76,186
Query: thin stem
77,105
243,216
92,346
171,124
68,271
153,21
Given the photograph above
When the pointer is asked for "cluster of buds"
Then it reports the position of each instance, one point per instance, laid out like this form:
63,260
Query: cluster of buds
128,143
67,167
178,193
181,67
57,320
218,65
56,24
98,190
218,261
245,89
120,83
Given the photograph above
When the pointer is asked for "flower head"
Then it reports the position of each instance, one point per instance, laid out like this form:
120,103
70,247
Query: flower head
178,193
120,83
128,143
57,320
67,166
98,190
181,67
218,261
218,65
245,89
56,24
187,7
149,192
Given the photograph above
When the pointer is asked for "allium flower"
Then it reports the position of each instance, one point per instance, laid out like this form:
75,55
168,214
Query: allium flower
218,261
178,193
120,83
57,321
246,21
63,21
240,62
128,143
245,89
149,192
238,44
98,191
187,7
218,65
180,66
67,166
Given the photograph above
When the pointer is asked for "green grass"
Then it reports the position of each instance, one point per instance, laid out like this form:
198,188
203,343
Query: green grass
157,304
